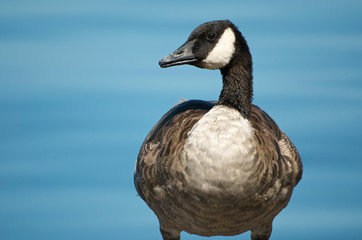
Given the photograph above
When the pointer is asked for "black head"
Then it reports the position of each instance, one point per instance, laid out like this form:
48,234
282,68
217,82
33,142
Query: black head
211,45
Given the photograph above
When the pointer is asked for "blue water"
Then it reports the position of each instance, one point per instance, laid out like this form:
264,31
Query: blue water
80,87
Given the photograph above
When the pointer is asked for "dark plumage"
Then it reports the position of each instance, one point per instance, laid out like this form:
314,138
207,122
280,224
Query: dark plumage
217,168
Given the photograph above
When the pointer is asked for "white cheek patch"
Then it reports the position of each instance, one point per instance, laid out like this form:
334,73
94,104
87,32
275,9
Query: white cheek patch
222,53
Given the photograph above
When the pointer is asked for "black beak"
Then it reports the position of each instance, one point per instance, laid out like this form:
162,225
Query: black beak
183,55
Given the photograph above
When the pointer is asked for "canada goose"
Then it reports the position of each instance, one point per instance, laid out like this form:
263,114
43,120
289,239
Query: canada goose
217,168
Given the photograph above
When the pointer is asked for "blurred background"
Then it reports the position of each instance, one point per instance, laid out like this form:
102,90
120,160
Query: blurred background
80,88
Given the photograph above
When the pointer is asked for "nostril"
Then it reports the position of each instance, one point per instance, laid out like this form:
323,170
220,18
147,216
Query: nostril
178,52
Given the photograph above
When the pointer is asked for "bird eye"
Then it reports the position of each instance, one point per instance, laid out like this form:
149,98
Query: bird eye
211,36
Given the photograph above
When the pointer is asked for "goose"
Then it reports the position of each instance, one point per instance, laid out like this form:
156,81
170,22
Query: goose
217,168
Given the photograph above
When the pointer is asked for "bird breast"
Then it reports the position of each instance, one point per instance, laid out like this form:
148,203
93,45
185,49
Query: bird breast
220,153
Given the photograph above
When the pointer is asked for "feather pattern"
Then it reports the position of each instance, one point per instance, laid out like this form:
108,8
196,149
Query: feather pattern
217,168
165,180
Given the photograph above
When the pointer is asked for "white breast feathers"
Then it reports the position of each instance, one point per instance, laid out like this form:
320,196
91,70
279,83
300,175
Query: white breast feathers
220,150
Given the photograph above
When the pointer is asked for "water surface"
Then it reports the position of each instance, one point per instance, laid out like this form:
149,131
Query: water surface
80,88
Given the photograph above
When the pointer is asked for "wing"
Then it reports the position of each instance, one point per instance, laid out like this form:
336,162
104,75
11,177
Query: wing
285,161
163,144
290,153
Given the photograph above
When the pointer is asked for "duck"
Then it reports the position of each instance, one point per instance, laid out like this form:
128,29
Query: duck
217,167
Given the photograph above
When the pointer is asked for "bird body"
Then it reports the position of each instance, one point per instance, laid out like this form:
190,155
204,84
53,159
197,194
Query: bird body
217,168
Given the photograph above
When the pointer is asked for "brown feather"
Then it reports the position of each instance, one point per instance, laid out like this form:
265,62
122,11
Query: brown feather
160,177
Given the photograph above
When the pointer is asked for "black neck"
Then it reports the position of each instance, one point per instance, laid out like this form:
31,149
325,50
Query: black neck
237,91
